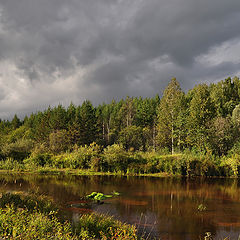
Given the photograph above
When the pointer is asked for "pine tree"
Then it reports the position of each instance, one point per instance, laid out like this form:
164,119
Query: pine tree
87,123
16,122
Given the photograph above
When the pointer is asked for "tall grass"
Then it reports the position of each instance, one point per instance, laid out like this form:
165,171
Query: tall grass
36,217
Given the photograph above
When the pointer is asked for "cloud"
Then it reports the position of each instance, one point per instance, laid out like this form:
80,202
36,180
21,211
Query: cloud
68,50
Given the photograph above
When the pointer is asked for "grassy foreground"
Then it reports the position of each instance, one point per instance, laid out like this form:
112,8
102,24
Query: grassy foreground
35,217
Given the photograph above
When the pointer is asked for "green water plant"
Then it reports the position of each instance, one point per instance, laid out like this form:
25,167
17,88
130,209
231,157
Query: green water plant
115,193
98,196
201,207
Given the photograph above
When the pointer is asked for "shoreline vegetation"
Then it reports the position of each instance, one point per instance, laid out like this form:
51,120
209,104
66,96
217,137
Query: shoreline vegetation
79,172
90,160
180,134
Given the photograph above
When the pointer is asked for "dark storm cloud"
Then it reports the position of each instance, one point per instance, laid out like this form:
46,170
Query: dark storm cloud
75,49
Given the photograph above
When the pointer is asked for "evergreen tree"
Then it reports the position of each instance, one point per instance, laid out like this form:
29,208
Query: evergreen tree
70,114
42,127
16,122
58,118
74,128
87,123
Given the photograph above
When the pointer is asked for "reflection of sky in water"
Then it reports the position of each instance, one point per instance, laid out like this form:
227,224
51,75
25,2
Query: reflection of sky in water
167,206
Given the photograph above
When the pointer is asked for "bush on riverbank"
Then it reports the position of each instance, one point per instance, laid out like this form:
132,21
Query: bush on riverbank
116,159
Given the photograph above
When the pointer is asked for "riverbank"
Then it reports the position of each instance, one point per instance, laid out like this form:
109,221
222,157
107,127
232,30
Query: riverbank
114,160
78,172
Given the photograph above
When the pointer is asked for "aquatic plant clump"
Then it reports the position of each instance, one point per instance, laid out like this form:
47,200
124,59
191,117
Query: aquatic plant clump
201,207
100,196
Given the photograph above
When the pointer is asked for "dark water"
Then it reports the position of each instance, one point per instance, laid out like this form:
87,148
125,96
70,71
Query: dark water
165,208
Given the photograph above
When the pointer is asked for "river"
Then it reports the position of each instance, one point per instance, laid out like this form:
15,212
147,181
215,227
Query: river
165,208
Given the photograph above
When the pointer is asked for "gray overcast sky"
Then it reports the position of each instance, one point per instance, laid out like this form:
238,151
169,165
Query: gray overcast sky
58,51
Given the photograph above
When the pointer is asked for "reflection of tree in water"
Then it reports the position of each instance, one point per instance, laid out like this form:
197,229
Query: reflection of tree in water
170,202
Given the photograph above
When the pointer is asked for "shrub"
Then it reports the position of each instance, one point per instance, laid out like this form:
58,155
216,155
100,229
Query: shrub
131,137
18,150
232,164
40,159
116,158
87,156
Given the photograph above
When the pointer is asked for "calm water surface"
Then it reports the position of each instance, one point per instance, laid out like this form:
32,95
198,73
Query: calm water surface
165,208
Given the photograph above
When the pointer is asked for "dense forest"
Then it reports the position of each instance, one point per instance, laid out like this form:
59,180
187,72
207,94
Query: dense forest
197,132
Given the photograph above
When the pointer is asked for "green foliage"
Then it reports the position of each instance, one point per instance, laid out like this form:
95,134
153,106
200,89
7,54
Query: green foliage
18,134
236,115
225,95
222,135
35,217
98,196
232,163
131,137
116,158
40,159
127,112
16,122
11,164
31,217
115,193
31,202
58,141
168,112
88,156
20,224
87,123
203,124
18,150
201,111
96,226
146,112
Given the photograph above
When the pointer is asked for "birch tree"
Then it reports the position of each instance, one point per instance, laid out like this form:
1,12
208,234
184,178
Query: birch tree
169,109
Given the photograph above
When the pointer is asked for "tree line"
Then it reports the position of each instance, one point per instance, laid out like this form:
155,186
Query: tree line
205,119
